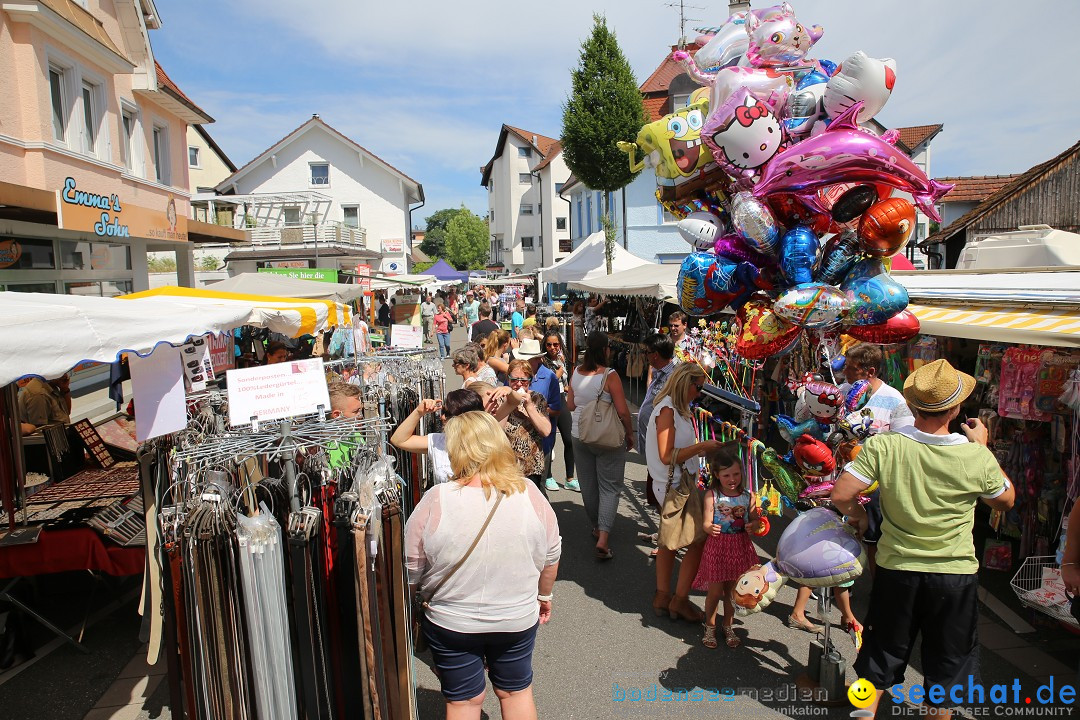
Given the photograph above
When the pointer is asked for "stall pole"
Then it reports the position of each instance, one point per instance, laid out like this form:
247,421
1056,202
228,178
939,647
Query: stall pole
11,453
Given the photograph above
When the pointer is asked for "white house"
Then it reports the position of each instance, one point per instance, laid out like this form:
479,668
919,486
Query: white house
528,222
318,199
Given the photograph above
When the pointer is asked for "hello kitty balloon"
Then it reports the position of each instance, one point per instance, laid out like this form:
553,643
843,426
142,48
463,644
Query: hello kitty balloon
743,134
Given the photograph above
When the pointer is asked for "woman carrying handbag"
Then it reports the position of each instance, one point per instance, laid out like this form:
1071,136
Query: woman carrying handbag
674,459
601,435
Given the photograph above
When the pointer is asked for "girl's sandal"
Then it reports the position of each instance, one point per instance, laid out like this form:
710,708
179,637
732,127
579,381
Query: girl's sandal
730,636
709,639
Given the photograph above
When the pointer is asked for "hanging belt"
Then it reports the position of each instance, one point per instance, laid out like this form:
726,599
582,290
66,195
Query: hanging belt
347,630
386,626
303,643
395,560
369,683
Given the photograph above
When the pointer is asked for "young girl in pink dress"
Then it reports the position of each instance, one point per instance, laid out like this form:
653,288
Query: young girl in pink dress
731,514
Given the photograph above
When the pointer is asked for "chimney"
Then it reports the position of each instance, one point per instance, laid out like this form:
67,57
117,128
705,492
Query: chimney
314,116
735,6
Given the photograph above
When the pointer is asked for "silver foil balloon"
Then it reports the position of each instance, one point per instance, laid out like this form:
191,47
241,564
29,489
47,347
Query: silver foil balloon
755,223
839,255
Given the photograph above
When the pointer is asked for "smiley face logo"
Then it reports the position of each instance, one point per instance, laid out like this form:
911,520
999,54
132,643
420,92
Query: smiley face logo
862,693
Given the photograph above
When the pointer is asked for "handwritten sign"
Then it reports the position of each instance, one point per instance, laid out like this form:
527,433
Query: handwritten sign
407,336
277,391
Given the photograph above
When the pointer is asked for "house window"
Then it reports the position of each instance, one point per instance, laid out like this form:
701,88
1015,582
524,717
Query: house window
59,110
559,187
526,209
525,178
527,243
91,116
351,214
525,152
160,142
291,215
679,101
127,122
666,217
193,159
491,215
320,174
560,223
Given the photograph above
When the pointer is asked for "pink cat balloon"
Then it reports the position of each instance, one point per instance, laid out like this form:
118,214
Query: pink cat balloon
817,549
845,153
743,134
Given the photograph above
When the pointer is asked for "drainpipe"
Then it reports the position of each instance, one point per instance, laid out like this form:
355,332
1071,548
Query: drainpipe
408,230
540,180
625,232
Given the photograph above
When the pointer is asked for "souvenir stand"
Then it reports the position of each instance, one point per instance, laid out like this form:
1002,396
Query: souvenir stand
1018,334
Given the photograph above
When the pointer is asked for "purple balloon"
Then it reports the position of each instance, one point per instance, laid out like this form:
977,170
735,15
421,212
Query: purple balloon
731,246
846,153
798,250
819,549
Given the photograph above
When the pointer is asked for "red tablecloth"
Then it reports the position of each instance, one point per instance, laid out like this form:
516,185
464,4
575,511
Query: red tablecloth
66,550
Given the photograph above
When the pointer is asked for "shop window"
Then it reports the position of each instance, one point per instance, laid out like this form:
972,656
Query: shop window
42,287
94,256
106,288
26,254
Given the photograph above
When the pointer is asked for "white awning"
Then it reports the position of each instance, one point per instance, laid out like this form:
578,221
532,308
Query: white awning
284,286
1007,324
649,280
588,262
1044,286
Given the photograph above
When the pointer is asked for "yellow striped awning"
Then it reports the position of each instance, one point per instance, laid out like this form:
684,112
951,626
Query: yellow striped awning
1034,326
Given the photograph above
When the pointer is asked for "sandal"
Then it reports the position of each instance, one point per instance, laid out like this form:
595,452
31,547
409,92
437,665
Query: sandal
660,602
682,608
709,639
730,637
804,624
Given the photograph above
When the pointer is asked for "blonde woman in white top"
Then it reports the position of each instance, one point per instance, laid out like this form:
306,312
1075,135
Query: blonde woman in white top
490,608
671,431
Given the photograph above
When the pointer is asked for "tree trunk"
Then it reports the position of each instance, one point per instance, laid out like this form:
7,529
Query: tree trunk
609,232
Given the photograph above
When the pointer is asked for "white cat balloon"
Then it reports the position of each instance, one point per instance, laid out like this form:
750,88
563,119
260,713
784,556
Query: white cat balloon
860,77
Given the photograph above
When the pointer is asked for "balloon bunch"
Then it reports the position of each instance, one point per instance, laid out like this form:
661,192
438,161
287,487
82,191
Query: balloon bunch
784,197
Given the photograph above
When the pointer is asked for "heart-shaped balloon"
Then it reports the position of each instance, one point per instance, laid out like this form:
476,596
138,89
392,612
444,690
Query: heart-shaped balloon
873,300
789,211
754,222
901,327
812,305
760,333
839,255
886,227
798,251
696,294
819,549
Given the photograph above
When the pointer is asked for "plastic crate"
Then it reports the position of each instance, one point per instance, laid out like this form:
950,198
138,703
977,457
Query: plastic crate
1029,579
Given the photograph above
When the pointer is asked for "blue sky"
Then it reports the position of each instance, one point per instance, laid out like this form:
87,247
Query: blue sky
427,85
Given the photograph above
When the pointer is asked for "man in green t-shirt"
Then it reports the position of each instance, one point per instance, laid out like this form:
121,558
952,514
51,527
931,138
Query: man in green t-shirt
930,481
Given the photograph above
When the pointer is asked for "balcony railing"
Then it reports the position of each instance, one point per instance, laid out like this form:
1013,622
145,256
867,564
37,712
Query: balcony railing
293,236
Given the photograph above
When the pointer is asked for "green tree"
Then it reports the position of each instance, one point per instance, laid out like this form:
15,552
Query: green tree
603,109
208,262
159,264
467,241
434,244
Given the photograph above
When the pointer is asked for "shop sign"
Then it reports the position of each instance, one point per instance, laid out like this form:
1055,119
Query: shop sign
407,336
288,264
318,274
394,246
107,216
363,277
222,352
277,391
10,252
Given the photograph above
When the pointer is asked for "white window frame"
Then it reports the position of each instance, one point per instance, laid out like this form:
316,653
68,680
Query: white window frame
531,245
678,102
299,216
64,74
522,211
198,157
525,178
162,160
98,144
132,148
311,174
350,206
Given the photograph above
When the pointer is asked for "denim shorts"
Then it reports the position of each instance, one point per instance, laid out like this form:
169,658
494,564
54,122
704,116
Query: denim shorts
460,659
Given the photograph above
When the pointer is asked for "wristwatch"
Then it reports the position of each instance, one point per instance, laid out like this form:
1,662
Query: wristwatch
544,598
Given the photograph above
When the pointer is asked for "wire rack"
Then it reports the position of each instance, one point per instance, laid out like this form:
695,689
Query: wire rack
1028,584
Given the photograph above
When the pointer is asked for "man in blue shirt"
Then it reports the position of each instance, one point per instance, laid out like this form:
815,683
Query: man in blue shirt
518,318
659,351
543,382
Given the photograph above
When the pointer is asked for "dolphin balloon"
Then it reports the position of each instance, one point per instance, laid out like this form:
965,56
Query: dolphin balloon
845,153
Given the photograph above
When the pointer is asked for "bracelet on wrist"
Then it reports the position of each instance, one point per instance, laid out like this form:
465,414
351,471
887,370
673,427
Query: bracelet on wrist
545,598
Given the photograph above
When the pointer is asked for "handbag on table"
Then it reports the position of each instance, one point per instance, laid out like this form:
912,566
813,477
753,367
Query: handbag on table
681,517
599,425
420,603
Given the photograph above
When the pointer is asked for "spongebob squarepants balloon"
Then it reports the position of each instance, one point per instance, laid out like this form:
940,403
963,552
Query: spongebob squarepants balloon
672,146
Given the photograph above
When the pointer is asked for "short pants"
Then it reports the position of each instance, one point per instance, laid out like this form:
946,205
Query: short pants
460,659
943,607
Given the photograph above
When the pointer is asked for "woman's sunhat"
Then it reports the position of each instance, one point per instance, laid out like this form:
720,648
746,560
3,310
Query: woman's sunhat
937,386
529,348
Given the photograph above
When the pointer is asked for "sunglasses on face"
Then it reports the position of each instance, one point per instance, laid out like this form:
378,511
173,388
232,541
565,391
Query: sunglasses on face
554,344
519,380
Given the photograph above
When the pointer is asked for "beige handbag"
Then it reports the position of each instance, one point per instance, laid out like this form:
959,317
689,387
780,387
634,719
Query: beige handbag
681,517
599,425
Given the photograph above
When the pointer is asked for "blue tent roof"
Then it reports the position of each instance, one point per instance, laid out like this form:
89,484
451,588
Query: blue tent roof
444,271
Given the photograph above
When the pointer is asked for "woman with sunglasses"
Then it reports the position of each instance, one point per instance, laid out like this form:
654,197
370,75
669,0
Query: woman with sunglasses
527,426
555,361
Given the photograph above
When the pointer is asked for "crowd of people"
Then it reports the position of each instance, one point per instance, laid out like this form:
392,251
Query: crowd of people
521,389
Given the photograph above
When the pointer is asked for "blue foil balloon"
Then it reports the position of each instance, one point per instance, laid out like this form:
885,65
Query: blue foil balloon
755,223
838,257
873,300
697,295
865,268
798,251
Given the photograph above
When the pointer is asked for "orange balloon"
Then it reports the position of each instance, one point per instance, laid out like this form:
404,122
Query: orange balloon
886,227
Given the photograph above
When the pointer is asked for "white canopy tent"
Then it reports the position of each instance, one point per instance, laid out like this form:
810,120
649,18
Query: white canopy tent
649,280
284,286
588,262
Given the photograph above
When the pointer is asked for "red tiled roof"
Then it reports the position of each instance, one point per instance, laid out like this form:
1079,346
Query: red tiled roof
976,188
543,143
661,78
916,135
552,153
166,84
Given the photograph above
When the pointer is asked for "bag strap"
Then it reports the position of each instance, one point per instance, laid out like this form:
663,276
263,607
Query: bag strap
671,466
475,542
603,384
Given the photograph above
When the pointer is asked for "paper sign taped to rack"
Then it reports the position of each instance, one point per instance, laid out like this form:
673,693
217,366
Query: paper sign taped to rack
277,391
407,336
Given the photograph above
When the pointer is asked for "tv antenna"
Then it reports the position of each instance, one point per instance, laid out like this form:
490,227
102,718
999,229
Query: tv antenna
683,7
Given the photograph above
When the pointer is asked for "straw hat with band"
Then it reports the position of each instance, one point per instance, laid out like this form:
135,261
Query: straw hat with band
528,349
937,387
